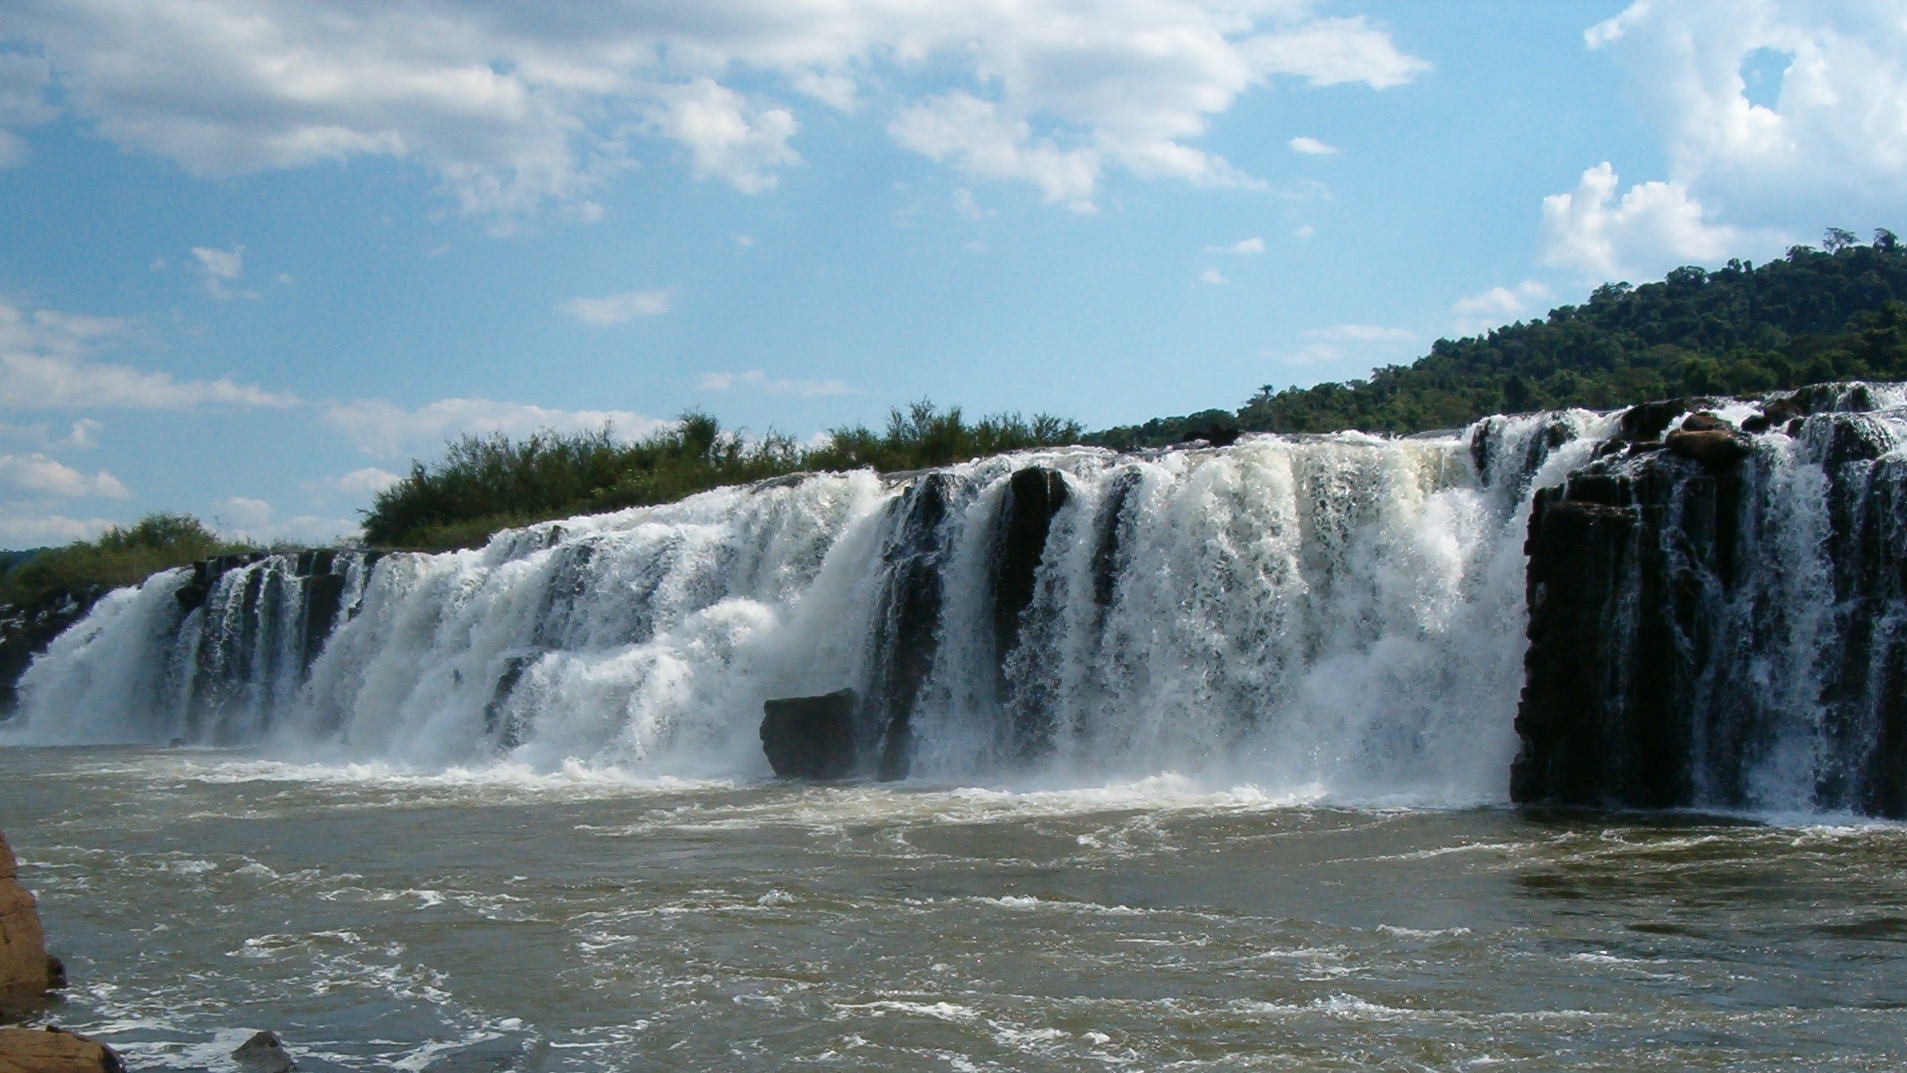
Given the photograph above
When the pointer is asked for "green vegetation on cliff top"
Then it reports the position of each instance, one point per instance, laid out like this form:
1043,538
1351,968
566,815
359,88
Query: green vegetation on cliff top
119,557
486,483
1813,316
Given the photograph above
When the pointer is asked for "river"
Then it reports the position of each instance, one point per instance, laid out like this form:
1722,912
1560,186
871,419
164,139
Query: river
586,918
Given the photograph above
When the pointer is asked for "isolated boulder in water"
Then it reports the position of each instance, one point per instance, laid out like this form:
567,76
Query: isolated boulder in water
1704,421
264,1053
1711,447
810,737
24,966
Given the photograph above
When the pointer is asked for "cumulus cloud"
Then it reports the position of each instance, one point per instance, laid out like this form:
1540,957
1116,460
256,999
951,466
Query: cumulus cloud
1240,248
1838,125
756,380
1213,276
46,363
385,430
513,106
1652,228
617,308
1499,306
244,518
1311,147
728,136
979,138
36,475
21,527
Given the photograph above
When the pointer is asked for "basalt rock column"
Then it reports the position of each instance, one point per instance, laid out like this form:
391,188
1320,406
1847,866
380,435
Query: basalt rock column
907,621
1033,496
1722,627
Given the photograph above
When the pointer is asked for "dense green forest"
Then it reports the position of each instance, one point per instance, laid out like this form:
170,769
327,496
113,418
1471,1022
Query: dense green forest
1816,315
486,483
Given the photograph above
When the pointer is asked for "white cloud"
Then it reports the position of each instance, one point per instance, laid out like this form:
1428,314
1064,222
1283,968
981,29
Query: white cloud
756,380
617,308
1213,276
39,476
45,364
1241,247
20,528
513,106
728,136
1311,147
1838,131
362,483
219,267
254,520
1362,333
23,81
81,435
1304,231
384,430
975,136
221,264
1653,228
1499,306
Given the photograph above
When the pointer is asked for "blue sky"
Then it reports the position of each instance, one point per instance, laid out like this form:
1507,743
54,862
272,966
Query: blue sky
256,256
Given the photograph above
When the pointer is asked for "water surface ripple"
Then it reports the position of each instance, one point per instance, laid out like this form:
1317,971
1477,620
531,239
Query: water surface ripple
488,920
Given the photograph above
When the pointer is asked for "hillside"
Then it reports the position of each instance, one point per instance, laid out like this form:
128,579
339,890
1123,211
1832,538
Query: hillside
1815,315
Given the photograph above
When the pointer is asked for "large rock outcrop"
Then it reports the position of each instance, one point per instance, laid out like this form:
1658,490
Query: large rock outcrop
1698,619
53,1050
25,970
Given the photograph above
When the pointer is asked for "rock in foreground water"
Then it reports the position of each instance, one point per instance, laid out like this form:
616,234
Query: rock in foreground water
53,1050
810,737
264,1053
23,962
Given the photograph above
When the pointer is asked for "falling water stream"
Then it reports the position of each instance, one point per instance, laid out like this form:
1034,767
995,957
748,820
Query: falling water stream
1215,776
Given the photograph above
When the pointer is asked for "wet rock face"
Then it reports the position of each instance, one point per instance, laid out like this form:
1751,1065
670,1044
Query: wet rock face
24,966
51,1050
26,630
1674,657
810,737
906,638
1033,497
1713,447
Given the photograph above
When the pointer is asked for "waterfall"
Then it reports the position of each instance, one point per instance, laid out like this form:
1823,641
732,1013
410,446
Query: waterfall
1726,635
1339,617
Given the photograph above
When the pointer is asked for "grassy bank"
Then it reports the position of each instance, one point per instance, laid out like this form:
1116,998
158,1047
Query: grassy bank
487,483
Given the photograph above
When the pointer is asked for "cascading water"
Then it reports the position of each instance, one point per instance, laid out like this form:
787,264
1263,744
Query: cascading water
1326,617
1727,635
1334,616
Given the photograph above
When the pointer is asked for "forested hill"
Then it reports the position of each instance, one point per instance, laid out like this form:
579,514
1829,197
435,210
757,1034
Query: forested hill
1816,315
